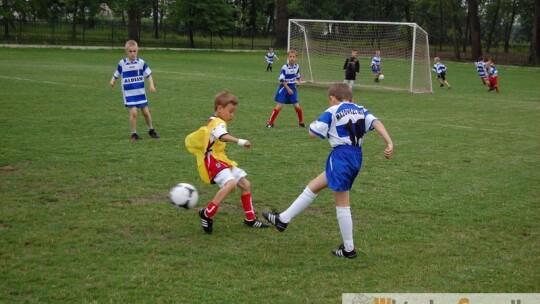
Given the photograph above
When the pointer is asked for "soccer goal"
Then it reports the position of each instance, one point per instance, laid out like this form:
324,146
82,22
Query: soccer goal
323,46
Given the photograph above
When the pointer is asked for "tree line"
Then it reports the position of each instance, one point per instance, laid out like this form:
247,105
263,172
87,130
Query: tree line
467,26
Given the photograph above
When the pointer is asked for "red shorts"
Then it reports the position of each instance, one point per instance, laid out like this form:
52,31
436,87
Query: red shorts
494,80
214,166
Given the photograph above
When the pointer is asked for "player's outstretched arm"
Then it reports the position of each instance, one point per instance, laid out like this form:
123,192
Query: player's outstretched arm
241,142
379,127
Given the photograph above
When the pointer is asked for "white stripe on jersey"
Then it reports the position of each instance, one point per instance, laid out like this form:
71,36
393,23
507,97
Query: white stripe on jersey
344,124
289,73
439,68
133,75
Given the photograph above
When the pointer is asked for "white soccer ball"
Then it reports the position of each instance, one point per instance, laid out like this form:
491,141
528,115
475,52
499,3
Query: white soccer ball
381,77
184,196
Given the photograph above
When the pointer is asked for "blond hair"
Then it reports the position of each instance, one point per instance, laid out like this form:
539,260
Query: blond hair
131,43
223,99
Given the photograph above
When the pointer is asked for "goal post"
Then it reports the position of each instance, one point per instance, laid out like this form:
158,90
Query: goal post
323,46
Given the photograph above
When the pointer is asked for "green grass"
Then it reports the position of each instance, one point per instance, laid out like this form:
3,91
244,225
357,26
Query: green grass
84,216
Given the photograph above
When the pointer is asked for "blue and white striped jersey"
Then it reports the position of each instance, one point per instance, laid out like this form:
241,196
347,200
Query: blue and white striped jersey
289,73
492,71
344,124
270,57
376,61
133,74
439,68
481,68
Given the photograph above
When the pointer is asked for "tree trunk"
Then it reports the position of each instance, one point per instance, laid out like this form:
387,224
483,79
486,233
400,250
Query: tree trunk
74,23
282,23
191,39
534,51
476,44
466,34
508,27
155,15
493,23
133,28
455,32
441,18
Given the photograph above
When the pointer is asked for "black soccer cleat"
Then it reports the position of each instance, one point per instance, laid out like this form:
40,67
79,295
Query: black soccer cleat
302,125
135,137
341,252
206,222
255,224
274,219
153,133
270,125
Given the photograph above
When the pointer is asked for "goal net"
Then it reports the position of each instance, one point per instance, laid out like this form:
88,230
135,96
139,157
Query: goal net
324,45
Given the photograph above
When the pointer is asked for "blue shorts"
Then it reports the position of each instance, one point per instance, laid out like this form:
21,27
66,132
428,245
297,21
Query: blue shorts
376,69
139,106
342,167
282,96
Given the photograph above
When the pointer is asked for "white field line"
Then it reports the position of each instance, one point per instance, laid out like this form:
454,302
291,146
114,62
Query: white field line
45,82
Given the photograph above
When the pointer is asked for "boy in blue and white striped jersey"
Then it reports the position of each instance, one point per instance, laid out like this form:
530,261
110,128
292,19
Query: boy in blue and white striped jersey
289,79
344,124
270,56
376,65
440,69
481,69
133,71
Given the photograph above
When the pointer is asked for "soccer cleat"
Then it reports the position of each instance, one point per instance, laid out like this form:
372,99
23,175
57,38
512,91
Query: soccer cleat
341,252
270,125
442,85
135,137
206,222
376,79
302,125
153,133
255,223
274,219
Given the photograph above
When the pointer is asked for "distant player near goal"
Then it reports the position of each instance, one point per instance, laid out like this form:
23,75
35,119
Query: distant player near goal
345,124
376,65
270,56
351,68
440,69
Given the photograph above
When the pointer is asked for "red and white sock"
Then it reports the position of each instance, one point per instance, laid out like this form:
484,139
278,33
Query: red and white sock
248,207
211,210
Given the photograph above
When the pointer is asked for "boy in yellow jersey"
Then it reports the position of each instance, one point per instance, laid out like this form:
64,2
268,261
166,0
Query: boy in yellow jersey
208,145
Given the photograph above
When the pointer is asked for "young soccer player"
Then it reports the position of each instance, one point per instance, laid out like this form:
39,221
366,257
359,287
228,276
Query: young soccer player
133,71
481,69
270,56
351,68
208,145
344,124
440,69
289,78
493,76
376,65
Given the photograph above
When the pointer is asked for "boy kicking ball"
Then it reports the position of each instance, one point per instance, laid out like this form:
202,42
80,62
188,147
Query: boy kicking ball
345,124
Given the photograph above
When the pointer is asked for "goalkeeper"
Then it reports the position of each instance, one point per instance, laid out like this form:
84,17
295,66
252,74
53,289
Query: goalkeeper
351,68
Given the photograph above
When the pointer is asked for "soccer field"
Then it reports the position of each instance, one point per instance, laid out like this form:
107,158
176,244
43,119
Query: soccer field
84,215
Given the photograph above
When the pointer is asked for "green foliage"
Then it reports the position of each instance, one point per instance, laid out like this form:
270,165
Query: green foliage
84,216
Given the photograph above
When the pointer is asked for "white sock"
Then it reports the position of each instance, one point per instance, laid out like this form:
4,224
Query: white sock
345,226
300,204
